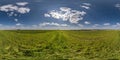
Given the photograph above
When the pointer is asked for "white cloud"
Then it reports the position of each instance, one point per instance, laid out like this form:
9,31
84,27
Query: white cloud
87,4
23,10
66,14
65,9
18,24
63,25
86,7
8,7
13,8
34,26
10,14
86,22
46,15
117,5
116,25
52,24
80,25
106,24
22,3
1,24
15,14
16,20
96,25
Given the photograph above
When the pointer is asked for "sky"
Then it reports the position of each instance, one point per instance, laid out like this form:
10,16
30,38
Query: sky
59,14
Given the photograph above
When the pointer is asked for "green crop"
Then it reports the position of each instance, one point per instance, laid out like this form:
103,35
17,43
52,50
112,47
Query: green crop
60,45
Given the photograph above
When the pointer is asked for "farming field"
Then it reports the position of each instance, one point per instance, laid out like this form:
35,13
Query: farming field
60,45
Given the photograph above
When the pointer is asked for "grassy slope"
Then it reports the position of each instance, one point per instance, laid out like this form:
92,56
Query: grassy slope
84,45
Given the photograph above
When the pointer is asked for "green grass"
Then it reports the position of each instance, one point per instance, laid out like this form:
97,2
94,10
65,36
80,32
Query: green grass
60,45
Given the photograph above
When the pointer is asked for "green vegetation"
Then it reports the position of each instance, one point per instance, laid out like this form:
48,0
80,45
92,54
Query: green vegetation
60,45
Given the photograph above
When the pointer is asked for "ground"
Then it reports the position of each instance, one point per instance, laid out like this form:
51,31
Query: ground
60,44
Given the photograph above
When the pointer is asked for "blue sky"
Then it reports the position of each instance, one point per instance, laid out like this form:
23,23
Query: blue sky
60,14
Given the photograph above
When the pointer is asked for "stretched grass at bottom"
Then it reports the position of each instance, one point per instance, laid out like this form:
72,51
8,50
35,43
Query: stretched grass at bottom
60,44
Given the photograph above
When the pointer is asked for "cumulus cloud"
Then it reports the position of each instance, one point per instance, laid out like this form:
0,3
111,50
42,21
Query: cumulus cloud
22,3
85,5
65,9
106,24
13,8
8,7
23,10
52,24
66,14
46,15
86,22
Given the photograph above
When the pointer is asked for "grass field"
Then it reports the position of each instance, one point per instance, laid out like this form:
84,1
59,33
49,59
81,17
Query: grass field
60,45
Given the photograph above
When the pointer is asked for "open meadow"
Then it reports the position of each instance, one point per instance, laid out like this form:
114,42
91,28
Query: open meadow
60,44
